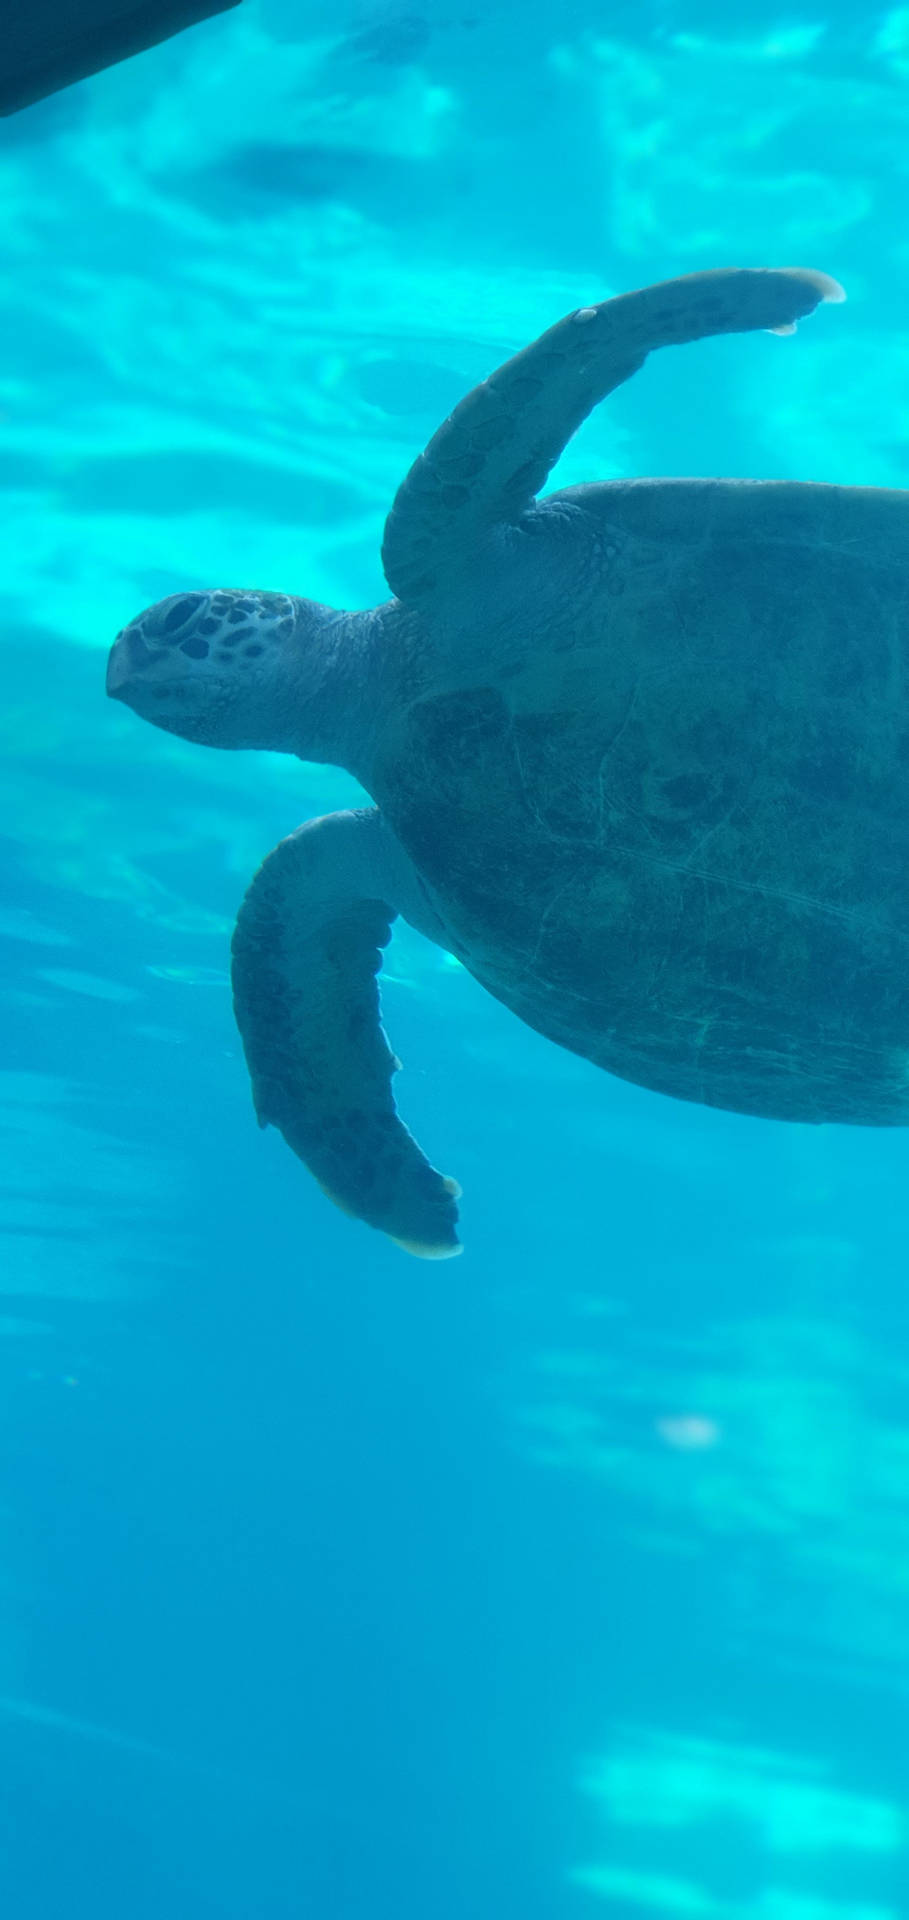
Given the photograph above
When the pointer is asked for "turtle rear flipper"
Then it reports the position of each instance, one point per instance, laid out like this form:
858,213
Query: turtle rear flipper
488,460
306,951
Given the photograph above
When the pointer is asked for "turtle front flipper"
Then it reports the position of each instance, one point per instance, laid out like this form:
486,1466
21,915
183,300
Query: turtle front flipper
492,455
306,952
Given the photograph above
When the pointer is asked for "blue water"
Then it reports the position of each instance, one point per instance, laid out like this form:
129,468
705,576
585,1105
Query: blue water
572,1577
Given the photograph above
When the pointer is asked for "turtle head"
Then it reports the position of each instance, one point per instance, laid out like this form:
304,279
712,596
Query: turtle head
227,669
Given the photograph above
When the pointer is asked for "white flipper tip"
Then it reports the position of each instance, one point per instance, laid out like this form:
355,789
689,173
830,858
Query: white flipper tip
427,1249
424,1251
829,293
824,284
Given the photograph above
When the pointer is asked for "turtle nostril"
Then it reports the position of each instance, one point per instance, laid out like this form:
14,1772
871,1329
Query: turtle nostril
137,653
129,656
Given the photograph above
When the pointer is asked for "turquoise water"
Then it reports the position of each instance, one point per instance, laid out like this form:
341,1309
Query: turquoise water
569,1578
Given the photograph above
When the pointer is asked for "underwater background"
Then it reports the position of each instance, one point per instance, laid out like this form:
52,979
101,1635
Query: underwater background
572,1577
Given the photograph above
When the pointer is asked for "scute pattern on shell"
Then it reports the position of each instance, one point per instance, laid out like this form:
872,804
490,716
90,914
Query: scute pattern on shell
680,847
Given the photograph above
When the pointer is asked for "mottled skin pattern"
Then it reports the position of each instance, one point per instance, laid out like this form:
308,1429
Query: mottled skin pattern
640,754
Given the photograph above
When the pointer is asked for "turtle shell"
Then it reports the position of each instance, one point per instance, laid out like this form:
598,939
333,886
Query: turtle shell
665,814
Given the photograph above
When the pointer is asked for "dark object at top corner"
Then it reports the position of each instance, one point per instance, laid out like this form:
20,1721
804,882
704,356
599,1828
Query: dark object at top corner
47,44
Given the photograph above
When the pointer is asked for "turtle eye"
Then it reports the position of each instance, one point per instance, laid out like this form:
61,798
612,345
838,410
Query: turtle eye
170,618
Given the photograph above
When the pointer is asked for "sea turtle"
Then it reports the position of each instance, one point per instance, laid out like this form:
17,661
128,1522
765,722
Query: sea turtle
640,758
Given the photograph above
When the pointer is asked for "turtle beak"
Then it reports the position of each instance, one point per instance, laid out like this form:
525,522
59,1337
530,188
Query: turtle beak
128,656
